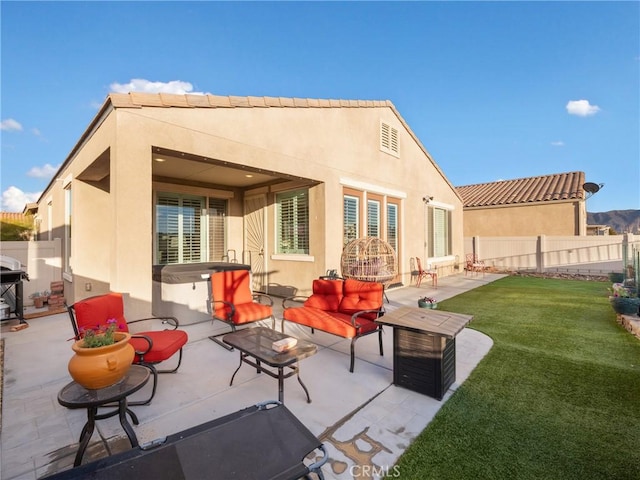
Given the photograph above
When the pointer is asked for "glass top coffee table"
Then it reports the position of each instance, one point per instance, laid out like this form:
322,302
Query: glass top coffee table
255,347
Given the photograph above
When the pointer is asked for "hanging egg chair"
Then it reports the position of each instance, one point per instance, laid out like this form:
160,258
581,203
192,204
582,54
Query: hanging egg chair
369,259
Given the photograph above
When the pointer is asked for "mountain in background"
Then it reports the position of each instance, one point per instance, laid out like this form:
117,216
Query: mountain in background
622,221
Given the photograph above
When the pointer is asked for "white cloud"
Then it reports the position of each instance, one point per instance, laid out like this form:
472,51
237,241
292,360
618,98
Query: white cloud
36,132
147,86
558,143
11,125
582,108
46,171
14,199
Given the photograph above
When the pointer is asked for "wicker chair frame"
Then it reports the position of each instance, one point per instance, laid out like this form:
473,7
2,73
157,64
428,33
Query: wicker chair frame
369,259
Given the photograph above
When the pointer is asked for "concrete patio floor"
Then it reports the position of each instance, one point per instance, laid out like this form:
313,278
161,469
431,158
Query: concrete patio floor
364,420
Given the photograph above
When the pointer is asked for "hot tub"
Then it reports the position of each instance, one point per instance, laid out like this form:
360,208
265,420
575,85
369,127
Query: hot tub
183,291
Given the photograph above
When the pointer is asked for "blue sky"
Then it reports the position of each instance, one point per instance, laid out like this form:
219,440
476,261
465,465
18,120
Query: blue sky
494,90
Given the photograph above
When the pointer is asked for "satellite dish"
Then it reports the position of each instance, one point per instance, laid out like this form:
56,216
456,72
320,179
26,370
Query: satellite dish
592,188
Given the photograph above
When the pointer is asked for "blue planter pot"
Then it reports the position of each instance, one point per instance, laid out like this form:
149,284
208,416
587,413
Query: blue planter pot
432,306
625,305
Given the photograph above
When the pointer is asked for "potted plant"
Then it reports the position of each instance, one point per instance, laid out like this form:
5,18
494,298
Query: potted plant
39,298
616,277
623,299
427,302
102,356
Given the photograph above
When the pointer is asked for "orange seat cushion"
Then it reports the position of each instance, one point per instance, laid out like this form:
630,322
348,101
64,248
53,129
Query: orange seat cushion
234,286
359,296
245,312
331,322
326,295
165,344
93,313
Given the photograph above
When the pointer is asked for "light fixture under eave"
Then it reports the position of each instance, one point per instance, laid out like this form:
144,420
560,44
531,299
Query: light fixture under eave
591,188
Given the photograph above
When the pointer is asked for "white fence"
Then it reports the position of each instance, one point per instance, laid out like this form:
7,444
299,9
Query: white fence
573,254
41,260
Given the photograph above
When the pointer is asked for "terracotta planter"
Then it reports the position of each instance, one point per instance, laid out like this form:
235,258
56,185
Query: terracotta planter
38,302
101,367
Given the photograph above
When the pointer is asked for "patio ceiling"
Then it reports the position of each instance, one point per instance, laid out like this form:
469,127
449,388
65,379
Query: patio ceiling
172,165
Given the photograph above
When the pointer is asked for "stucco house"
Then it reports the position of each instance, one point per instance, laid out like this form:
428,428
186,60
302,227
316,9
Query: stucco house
280,184
545,205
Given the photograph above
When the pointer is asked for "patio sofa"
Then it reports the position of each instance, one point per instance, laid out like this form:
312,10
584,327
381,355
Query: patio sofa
346,308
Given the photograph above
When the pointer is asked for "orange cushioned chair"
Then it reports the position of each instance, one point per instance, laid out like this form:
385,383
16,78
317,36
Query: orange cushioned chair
233,303
152,347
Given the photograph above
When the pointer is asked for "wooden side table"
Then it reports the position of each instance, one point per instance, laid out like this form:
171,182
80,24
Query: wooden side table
75,396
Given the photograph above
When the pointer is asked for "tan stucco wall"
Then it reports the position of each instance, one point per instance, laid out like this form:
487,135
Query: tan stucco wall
338,147
540,219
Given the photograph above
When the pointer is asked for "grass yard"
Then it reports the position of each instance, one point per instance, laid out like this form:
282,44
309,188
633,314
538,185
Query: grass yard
557,397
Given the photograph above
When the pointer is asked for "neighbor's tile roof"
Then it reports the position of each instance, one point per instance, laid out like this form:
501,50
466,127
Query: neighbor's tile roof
138,100
546,188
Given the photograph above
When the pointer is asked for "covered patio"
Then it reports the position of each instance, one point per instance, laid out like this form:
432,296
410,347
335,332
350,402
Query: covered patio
364,420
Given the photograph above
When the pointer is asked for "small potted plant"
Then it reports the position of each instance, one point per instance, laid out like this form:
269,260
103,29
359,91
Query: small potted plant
102,356
39,298
427,302
623,299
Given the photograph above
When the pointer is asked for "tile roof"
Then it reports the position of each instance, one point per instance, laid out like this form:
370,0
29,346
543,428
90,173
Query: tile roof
546,188
138,100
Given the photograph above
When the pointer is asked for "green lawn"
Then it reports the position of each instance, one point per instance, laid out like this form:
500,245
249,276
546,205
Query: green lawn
557,397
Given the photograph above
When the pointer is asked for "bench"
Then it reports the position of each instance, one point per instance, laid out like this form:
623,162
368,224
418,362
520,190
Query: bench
346,308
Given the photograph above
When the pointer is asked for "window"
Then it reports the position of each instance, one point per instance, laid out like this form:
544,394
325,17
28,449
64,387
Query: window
392,225
186,231
217,227
373,218
351,222
389,139
49,219
440,228
381,218
292,222
68,210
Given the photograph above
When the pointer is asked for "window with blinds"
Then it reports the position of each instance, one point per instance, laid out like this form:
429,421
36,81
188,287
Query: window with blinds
440,224
351,218
392,225
293,222
389,139
179,233
373,218
68,216
217,214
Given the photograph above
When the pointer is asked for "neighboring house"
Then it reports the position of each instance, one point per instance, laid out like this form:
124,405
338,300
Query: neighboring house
546,205
278,183
598,230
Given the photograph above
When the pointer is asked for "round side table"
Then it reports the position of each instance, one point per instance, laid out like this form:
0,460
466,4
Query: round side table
75,396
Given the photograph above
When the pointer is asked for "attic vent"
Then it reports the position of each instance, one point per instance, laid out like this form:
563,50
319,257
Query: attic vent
389,140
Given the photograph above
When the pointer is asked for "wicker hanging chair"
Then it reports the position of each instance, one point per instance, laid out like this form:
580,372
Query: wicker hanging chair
369,259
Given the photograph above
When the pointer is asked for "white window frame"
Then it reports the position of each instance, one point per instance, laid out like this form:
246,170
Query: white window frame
440,220
68,217
202,221
350,218
293,239
374,219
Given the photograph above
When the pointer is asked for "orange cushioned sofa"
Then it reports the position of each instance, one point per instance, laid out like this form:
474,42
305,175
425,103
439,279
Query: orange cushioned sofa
347,308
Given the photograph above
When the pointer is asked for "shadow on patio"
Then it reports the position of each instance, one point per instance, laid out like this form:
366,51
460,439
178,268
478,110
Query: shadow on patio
362,418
